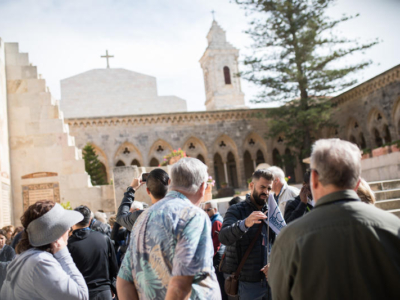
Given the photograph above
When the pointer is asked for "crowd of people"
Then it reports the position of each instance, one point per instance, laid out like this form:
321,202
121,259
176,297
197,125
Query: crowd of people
332,244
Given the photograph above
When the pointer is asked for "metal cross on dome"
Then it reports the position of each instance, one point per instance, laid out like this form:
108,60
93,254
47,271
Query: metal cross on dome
107,57
213,14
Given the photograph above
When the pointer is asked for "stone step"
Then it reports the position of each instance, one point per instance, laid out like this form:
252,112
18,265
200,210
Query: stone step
396,212
388,204
384,185
387,194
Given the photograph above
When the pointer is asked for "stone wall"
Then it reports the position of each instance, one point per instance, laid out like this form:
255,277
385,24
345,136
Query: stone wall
5,187
45,163
142,139
114,92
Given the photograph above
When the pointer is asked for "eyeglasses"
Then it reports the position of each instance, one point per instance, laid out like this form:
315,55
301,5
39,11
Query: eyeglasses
208,209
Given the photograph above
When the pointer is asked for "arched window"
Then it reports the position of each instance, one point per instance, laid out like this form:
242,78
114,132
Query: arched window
353,139
363,144
276,158
201,158
378,139
227,75
386,132
232,173
219,170
120,163
154,162
248,165
135,162
260,158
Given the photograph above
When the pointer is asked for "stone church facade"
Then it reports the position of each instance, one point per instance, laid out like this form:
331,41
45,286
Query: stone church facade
41,144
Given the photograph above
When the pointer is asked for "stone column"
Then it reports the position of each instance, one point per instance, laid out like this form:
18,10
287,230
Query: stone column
254,164
226,173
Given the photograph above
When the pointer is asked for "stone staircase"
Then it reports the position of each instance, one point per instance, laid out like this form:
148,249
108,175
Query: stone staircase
387,195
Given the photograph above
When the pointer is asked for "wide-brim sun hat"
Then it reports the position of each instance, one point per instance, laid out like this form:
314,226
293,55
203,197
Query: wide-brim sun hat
52,225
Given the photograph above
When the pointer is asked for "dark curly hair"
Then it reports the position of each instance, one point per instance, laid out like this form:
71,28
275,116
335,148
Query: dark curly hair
32,213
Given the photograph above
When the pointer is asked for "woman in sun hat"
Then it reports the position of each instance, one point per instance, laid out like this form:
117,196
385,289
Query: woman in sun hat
44,268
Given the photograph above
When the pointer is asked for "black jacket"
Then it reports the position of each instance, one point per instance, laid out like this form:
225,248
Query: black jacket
124,216
237,242
96,225
94,256
295,209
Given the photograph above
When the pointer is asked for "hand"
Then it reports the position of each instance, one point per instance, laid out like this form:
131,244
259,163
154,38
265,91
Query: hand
304,192
59,244
136,183
254,218
265,271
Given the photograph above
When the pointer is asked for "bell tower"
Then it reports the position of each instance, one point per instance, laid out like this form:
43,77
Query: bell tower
220,67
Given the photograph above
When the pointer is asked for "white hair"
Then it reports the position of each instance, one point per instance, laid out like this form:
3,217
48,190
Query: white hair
213,204
278,173
187,175
102,217
337,162
137,205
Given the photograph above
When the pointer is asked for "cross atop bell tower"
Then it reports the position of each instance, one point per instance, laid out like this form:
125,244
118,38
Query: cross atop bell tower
107,57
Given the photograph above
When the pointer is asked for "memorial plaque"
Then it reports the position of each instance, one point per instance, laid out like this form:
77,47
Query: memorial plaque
42,191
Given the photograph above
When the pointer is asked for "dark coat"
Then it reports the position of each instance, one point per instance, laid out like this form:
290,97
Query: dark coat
295,209
124,216
94,256
7,253
237,242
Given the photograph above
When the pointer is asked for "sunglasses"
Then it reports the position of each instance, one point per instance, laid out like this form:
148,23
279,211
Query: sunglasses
208,209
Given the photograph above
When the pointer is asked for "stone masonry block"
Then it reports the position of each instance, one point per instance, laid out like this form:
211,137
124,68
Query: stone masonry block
36,85
11,48
69,153
73,167
13,72
23,59
29,72
17,86
76,181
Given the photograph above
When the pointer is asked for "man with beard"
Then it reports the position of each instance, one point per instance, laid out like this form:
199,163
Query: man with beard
242,223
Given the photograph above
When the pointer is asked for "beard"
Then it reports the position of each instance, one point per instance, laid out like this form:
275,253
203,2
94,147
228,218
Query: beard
257,198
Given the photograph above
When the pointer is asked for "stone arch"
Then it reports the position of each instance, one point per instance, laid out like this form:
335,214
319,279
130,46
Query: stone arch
396,118
231,165
195,147
135,162
103,159
159,149
254,143
127,152
223,145
378,126
201,158
355,134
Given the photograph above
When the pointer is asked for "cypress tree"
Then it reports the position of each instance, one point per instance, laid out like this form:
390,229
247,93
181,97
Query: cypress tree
93,166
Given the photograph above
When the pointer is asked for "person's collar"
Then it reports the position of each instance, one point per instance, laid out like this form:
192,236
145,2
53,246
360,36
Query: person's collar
336,196
215,216
176,194
248,199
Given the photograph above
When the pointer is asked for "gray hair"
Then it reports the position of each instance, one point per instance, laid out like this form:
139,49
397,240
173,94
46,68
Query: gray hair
278,173
102,217
187,175
337,162
213,204
137,205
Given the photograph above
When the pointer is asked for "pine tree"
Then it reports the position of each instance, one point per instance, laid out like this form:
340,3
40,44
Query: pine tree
297,60
93,166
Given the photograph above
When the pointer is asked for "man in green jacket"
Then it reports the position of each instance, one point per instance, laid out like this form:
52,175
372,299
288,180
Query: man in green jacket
343,248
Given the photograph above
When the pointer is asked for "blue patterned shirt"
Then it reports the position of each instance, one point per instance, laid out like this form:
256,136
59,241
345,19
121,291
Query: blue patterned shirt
171,238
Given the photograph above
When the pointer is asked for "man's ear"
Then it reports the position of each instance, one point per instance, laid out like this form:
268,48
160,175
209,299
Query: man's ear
358,184
148,191
169,181
314,179
251,185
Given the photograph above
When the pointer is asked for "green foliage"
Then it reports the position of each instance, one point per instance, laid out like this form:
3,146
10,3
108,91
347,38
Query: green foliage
66,205
93,166
297,56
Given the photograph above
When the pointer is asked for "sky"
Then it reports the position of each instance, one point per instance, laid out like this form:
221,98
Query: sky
166,38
